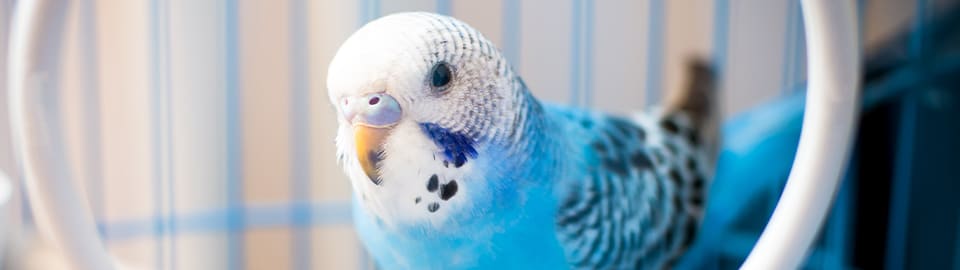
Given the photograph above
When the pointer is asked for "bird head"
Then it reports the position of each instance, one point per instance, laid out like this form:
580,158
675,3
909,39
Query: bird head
419,98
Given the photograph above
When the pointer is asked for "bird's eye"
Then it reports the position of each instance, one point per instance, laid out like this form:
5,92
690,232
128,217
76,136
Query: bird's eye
440,75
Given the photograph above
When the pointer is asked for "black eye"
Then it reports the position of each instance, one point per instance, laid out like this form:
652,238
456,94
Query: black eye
440,75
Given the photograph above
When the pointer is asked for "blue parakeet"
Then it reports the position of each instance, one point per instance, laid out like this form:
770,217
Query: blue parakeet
454,163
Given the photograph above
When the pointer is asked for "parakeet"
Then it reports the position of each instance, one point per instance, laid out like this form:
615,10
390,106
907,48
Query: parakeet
454,164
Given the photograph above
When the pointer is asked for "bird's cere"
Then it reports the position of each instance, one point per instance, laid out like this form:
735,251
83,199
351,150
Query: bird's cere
374,110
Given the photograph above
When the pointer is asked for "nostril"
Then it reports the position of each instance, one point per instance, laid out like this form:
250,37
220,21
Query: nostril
374,100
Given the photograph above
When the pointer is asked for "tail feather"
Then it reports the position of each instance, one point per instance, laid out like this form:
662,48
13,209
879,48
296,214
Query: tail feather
698,101
699,96
695,105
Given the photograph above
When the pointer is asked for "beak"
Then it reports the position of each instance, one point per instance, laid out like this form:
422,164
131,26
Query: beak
369,142
373,117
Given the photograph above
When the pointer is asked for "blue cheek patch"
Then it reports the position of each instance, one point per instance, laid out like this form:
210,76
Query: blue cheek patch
457,147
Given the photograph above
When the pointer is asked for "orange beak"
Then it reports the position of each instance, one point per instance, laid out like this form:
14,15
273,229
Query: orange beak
369,142
372,117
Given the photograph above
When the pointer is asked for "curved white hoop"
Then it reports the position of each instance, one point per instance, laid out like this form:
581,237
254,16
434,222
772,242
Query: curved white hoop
829,123
35,43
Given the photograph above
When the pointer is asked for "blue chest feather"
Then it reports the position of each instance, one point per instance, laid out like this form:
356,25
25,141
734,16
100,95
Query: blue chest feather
509,223
457,147
502,238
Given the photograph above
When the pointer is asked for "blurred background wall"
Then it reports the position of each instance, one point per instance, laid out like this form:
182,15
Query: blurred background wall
202,135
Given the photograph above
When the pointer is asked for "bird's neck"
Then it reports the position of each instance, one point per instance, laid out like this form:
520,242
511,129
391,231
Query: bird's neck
524,140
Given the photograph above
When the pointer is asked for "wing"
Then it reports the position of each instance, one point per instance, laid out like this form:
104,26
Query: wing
640,203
